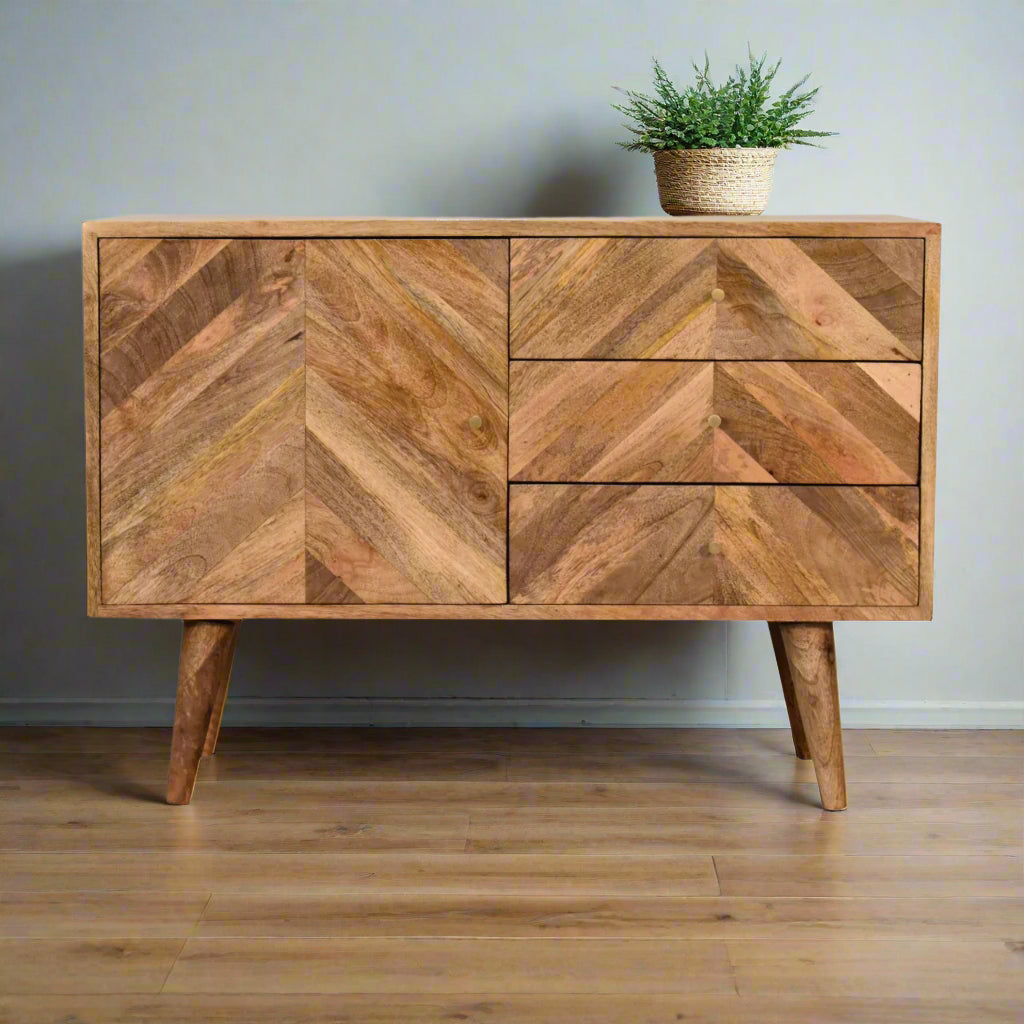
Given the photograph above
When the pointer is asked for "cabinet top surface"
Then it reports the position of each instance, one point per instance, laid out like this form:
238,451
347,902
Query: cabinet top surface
292,227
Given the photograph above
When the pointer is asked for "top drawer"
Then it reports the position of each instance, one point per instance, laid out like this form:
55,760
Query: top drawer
727,298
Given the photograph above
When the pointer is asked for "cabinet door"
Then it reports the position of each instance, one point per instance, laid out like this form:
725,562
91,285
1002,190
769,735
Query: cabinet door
406,420
201,429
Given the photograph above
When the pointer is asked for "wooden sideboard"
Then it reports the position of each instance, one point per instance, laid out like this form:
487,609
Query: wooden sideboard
673,418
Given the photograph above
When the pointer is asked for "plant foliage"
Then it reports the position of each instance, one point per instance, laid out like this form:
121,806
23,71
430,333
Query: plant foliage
705,116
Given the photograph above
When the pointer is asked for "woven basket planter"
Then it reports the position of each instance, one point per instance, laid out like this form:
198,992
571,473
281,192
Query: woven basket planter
729,181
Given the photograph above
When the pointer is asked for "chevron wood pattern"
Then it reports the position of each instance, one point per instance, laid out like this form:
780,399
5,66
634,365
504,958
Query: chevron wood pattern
201,436
722,545
816,545
406,417
821,423
610,421
648,421
610,544
642,298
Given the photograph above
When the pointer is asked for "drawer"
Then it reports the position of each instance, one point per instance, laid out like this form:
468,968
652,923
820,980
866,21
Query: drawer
728,298
714,545
724,422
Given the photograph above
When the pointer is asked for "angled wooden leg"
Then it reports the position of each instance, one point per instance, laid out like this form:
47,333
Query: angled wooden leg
796,724
217,715
201,678
809,651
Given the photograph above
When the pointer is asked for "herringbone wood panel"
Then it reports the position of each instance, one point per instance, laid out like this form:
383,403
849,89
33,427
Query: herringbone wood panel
610,421
406,492
642,298
643,420
817,423
201,384
723,545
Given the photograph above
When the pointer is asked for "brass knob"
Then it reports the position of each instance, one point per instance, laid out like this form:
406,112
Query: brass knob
475,422
717,294
714,548
714,420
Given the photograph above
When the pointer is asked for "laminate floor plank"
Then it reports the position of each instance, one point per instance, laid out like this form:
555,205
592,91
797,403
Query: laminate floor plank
338,833
942,742
86,965
870,876
834,836
713,918
500,1008
89,915
762,769
667,874
431,966
309,766
942,969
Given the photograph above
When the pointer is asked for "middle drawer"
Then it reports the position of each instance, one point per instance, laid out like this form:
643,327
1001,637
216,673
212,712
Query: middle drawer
714,422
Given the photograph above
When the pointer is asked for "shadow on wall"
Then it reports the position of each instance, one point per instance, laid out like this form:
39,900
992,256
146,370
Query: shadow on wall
53,651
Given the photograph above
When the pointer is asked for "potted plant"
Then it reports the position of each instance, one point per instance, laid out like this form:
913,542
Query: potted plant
715,146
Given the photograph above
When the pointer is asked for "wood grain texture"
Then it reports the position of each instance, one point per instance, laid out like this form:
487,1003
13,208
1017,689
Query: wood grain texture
816,545
929,416
726,545
610,544
580,1008
406,343
816,423
796,725
201,396
91,333
221,699
433,965
652,298
777,422
809,649
206,652
691,917
86,965
610,421
523,612
874,225
601,298
803,299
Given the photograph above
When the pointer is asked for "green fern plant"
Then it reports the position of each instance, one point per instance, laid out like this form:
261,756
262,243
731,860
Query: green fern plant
728,116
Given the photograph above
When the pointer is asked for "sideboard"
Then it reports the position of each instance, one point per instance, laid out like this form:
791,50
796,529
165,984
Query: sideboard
672,418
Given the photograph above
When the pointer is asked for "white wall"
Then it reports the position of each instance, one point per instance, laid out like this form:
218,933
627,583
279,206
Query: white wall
479,108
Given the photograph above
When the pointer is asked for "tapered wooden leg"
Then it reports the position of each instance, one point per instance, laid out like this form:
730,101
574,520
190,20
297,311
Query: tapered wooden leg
809,651
217,715
202,674
796,724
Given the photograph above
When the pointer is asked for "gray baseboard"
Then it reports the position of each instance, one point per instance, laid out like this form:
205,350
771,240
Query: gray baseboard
625,712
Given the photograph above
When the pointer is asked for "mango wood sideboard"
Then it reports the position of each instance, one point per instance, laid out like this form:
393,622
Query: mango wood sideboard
673,418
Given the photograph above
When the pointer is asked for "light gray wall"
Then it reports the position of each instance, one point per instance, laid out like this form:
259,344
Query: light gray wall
479,108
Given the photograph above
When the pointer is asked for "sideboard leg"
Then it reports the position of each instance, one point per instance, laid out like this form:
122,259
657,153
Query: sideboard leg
796,724
217,715
809,651
202,678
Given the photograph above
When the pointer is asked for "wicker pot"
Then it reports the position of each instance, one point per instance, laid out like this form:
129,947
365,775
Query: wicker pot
730,181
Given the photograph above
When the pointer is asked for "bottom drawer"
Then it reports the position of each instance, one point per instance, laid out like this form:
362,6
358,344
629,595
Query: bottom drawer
719,545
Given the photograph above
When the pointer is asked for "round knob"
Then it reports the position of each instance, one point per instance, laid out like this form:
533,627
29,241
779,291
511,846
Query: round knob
475,422
714,548
714,420
717,294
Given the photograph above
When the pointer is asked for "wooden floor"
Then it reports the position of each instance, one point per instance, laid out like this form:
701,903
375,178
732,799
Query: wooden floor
520,876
